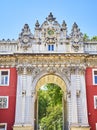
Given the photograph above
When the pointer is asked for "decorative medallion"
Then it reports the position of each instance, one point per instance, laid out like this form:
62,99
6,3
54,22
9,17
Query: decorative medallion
50,32
25,39
75,45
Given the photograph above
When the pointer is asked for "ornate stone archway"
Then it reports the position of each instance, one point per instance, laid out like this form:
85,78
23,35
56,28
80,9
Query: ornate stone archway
49,51
38,70
55,79
51,78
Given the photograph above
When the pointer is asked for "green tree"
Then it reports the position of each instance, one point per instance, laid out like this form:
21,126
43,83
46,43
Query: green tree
43,103
51,98
94,38
86,37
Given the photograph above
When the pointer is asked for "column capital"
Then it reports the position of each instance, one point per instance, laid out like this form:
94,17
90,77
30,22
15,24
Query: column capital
77,69
20,69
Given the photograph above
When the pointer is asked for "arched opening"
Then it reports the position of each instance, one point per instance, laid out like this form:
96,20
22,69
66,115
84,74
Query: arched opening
54,80
50,114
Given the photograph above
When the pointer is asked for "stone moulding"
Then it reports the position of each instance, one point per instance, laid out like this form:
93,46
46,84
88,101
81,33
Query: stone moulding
22,127
80,128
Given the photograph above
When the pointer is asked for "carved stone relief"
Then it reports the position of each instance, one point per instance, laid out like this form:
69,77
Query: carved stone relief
76,37
26,37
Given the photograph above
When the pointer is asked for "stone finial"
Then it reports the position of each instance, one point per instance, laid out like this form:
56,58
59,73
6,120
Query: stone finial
64,25
75,25
74,30
50,17
37,25
25,30
75,33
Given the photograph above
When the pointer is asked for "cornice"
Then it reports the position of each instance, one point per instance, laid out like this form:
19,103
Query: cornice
61,60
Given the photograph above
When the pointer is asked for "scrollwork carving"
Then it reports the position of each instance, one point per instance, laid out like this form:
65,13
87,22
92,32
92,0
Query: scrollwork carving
77,93
35,72
75,46
20,70
51,70
69,94
29,69
32,93
23,93
66,72
26,37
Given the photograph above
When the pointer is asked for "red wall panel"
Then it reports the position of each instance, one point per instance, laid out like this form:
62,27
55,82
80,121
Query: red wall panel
8,115
91,90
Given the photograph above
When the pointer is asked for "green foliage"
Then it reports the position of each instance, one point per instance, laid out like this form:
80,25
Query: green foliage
86,37
50,107
43,103
94,38
53,118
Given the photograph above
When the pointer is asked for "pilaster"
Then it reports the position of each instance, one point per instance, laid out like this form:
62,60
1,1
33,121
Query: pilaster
29,97
18,113
83,97
73,97
24,108
24,84
78,99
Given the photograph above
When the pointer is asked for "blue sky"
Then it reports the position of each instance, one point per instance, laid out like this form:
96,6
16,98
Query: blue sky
15,13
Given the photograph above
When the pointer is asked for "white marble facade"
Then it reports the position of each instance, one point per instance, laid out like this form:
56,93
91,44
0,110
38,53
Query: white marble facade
50,37
49,50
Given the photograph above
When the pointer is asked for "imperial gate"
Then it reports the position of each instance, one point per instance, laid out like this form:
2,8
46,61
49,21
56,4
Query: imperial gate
51,69
49,56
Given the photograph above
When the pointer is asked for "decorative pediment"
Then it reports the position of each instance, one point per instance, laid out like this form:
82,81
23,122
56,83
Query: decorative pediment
50,36
50,31
25,37
50,18
76,37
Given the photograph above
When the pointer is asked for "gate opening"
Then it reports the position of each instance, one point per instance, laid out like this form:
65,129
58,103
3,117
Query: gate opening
59,121
50,113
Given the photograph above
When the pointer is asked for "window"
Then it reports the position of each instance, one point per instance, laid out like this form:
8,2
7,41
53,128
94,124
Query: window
4,77
3,102
51,47
3,126
95,102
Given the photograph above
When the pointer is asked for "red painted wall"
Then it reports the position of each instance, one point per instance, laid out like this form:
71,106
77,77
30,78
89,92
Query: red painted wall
91,90
8,115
